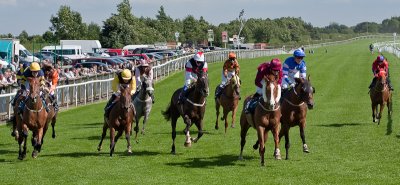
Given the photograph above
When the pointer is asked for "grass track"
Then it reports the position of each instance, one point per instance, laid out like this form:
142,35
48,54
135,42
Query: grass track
346,147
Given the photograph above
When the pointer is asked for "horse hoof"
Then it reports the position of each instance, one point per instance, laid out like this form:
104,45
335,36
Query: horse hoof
255,147
262,164
99,148
143,132
173,152
129,151
305,148
188,144
53,136
216,127
34,154
233,125
137,141
241,158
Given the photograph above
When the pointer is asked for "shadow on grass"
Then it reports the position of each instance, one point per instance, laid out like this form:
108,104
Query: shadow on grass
104,152
389,128
192,133
89,125
94,138
216,161
340,124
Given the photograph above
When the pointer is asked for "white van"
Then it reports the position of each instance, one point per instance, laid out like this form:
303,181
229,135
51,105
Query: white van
70,51
25,54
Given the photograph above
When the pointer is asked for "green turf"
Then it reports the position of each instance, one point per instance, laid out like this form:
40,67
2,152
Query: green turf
346,147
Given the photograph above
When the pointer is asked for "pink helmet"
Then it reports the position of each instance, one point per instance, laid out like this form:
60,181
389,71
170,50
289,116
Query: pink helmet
199,57
143,63
276,64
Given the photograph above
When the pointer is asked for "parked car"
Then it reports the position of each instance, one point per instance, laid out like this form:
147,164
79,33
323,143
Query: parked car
108,61
43,55
141,56
90,64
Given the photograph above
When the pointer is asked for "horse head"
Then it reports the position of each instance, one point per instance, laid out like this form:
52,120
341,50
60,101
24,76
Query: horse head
382,77
147,86
270,91
202,84
34,88
236,83
305,91
125,97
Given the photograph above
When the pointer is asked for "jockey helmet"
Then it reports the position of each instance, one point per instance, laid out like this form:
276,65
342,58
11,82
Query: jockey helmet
143,63
126,74
232,55
380,58
199,57
299,53
34,66
276,64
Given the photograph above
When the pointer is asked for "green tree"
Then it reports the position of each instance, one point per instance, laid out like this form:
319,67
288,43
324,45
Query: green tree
67,24
23,37
93,31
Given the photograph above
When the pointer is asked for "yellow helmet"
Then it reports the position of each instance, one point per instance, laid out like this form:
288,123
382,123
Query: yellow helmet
34,66
126,74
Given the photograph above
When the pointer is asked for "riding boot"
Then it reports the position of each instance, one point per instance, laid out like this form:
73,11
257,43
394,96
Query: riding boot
219,90
390,84
182,95
54,102
110,103
15,99
372,83
21,107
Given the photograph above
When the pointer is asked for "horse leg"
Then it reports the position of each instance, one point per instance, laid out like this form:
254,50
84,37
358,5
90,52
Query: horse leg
285,132
136,128
128,139
53,124
379,116
38,145
373,112
234,116
303,137
173,126
22,145
243,132
103,135
261,136
144,122
199,126
112,140
275,133
188,142
217,113
226,112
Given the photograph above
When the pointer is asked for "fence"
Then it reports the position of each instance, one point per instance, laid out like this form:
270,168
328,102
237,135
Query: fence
390,47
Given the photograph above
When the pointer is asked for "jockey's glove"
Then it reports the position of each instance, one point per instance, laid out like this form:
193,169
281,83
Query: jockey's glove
292,85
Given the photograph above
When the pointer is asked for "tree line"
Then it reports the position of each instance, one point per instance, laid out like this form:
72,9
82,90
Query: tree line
123,28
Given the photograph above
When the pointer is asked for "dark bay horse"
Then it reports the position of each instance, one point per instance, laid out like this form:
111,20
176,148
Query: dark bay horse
266,117
192,109
143,104
380,95
120,119
229,101
17,119
34,118
294,110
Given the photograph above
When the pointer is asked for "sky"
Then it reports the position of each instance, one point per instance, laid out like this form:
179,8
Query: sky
33,16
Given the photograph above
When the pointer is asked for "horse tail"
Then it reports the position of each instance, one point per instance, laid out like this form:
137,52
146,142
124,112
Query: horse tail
167,113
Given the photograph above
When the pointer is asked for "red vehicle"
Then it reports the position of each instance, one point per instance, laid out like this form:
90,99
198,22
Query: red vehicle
116,52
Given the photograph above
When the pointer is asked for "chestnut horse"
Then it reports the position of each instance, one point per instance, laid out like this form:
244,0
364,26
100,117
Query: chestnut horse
266,117
294,110
34,118
191,109
229,100
120,119
143,104
380,95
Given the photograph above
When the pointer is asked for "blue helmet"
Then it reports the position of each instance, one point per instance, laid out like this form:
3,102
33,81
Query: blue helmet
299,53
380,58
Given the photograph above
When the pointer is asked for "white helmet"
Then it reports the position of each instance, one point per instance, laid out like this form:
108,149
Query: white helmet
199,57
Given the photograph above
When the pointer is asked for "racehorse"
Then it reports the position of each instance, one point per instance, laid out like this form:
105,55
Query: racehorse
34,118
380,95
143,104
266,117
229,100
52,114
191,109
294,110
120,119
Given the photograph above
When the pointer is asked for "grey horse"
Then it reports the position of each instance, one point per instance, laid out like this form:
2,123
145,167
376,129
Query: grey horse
143,103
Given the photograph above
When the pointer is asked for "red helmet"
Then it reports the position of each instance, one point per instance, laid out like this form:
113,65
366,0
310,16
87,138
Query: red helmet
276,64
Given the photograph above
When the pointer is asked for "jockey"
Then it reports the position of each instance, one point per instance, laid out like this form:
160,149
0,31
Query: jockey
381,63
143,69
293,67
192,66
122,77
33,71
20,80
51,75
273,67
231,68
